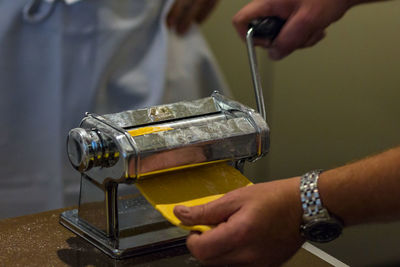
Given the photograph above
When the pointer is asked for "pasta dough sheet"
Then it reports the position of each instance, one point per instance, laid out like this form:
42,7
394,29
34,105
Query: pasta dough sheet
148,130
190,187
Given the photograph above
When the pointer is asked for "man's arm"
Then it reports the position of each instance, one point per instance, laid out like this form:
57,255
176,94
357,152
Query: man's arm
364,191
306,21
260,224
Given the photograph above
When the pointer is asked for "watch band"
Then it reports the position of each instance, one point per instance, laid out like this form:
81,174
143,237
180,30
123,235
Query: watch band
318,225
310,199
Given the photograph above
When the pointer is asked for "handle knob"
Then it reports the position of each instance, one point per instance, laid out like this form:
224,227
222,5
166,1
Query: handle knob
267,28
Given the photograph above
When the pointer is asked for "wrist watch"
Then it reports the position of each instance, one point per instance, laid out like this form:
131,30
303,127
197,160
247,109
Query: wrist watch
318,225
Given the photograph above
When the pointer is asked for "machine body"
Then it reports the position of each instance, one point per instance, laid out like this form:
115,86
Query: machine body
113,151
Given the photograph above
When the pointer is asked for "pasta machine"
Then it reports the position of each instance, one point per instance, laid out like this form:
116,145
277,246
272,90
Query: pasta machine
113,151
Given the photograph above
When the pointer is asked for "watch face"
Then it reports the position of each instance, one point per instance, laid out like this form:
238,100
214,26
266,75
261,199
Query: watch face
322,230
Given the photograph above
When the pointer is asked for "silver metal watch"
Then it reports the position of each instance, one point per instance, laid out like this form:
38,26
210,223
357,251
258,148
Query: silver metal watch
318,225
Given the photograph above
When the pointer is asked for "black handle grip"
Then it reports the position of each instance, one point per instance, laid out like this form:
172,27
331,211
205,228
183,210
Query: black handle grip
267,28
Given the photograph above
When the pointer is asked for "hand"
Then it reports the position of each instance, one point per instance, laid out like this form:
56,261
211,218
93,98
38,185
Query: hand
186,12
305,26
256,225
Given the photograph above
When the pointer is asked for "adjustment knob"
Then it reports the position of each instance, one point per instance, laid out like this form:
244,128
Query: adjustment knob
84,148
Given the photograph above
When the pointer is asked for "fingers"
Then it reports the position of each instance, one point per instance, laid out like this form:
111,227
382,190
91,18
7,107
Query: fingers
227,235
205,10
314,39
257,9
219,241
178,9
304,27
188,15
205,246
279,51
211,213
186,12
226,253
295,34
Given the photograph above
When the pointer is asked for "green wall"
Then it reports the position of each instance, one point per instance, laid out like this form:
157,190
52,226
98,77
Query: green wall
328,105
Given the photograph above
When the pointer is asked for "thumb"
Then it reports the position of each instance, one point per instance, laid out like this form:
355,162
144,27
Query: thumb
212,213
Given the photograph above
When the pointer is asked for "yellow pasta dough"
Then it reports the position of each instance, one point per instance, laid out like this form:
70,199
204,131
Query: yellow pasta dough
190,187
148,130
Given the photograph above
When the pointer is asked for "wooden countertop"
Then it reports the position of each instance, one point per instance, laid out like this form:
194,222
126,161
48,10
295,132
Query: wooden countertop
39,240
